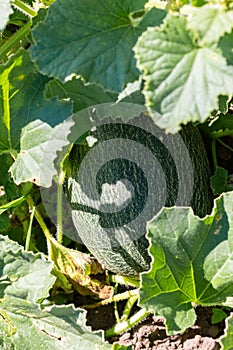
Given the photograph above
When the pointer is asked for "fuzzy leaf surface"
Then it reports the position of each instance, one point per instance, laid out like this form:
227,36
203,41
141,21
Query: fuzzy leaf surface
39,146
25,326
226,340
82,95
97,37
211,23
183,77
22,100
23,275
192,262
5,11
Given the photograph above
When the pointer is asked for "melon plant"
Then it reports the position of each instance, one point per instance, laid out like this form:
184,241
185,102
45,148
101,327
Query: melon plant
147,216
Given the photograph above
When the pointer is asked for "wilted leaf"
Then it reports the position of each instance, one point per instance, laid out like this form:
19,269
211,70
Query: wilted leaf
79,269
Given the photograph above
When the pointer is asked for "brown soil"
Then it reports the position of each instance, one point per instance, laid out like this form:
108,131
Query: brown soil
151,333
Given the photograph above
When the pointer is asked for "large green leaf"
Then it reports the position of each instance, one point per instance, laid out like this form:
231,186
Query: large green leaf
226,340
96,40
132,94
82,95
24,279
22,100
211,23
192,263
10,188
39,146
226,45
22,274
24,325
183,76
5,11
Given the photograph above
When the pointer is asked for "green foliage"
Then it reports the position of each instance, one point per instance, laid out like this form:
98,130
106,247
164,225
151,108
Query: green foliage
219,181
101,49
191,263
218,315
227,338
58,57
182,88
22,100
23,275
25,279
12,204
39,155
81,95
5,10
25,326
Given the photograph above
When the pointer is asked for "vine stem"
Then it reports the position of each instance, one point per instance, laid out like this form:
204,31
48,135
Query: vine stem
218,134
61,178
40,220
125,325
128,307
214,155
225,145
126,281
25,8
29,232
116,313
118,297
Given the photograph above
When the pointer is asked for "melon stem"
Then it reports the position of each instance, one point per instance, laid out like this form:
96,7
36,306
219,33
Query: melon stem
128,324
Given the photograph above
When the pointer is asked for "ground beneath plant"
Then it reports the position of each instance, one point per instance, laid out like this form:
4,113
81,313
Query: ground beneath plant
151,333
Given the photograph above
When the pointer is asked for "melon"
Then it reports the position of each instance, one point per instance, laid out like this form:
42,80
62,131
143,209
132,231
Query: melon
122,180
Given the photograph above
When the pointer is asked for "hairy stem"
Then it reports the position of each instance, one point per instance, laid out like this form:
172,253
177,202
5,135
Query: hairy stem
125,325
128,307
118,297
40,220
126,281
214,154
225,145
29,232
116,313
25,8
59,206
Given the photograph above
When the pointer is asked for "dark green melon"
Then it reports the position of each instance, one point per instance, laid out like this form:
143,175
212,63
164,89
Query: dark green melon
140,170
